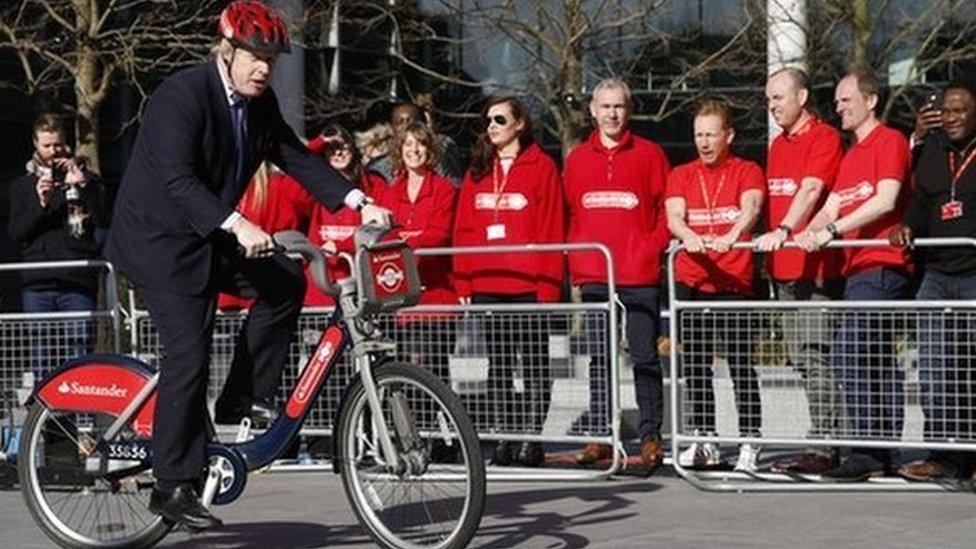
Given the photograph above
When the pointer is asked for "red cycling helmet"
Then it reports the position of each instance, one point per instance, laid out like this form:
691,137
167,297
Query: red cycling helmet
254,26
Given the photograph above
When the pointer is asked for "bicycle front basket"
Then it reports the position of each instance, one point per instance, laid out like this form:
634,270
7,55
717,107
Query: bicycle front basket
388,271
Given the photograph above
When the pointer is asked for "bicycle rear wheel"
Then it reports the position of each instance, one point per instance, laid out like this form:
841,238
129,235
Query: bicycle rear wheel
75,496
436,497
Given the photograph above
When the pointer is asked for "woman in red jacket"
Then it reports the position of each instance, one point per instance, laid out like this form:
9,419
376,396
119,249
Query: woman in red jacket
333,232
275,202
512,195
422,202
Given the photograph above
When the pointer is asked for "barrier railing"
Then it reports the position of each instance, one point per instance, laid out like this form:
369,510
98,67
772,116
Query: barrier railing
36,343
883,374
559,382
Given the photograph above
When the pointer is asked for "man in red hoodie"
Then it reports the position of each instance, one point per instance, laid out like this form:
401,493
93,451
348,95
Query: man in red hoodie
614,186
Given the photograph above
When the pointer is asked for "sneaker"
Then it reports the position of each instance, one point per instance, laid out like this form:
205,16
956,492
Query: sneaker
748,456
700,455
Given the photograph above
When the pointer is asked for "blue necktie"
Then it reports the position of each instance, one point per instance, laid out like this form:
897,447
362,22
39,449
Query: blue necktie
238,115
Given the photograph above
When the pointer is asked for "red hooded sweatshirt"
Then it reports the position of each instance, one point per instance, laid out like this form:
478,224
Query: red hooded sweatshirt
525,206
616,198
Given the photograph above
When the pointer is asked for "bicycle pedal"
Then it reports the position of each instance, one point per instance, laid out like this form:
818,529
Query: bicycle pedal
243,430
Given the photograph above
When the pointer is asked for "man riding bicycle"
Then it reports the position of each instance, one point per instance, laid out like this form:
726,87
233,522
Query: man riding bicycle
175,233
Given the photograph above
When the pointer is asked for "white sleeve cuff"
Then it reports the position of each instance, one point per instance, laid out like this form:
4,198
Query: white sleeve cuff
354,198
231,219
914,141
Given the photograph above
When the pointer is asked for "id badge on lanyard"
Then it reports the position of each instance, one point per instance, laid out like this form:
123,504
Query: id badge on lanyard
496,231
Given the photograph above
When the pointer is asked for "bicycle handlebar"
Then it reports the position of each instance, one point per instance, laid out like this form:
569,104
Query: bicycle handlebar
297,243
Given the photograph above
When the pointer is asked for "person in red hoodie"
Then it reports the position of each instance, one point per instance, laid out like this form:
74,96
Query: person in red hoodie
614,185
275,202
422,202
333,232
712,203
511,195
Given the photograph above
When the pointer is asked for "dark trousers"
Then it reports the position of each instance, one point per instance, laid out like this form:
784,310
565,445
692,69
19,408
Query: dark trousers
946,347
508,336
699,339
185,324
643,316
53,342
864,361
428,342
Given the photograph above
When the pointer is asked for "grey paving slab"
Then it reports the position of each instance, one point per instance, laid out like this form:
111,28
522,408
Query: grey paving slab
302,510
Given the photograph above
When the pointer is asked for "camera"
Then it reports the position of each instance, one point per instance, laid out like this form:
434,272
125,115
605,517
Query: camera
57,175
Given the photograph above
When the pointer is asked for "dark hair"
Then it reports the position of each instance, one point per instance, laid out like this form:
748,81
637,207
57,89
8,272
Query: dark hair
963,84
418,113
47,122
421,133
483,156
335,135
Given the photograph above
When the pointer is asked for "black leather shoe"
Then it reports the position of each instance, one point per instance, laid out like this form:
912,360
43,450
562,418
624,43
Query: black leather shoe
856,468
530,454
262,415
182,506
502,454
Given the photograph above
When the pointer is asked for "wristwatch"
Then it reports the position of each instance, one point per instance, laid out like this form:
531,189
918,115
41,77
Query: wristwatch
364,202
832,229
785,228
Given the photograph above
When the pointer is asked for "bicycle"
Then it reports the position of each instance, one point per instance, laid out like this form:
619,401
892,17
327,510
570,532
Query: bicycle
86,458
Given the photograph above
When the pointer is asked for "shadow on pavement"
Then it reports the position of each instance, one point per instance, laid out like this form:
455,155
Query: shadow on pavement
510,519
515,518
276,535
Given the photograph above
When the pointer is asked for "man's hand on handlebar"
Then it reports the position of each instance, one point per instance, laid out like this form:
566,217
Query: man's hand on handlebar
901,236
254,241
371,213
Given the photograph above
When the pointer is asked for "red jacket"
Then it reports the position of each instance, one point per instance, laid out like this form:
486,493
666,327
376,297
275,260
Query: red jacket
616,197
339,227
524,207
426,223
287,205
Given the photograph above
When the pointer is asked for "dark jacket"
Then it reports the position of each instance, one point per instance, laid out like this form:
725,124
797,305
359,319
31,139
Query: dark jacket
932,189
42,233
179,185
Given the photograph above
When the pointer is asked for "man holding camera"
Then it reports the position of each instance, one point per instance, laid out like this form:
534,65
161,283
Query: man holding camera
56,209
943,205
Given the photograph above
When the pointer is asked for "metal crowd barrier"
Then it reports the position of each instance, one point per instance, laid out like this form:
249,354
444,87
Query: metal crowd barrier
558,352
34,344
858,382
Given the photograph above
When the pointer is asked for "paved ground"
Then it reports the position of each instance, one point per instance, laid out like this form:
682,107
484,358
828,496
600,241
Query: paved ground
304,510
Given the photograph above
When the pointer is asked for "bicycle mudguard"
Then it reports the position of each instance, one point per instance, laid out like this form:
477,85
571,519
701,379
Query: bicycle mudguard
99,383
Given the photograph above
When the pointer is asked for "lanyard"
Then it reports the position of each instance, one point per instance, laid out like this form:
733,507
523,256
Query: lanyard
711,201
956,174
498,187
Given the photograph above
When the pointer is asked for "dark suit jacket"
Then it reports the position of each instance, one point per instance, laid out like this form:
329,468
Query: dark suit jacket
179,184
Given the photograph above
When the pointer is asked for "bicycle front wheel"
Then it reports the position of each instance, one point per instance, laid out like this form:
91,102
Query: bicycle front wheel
77,497
434,495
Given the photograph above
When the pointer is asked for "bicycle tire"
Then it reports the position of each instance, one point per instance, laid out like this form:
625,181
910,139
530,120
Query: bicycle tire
48,514
354,414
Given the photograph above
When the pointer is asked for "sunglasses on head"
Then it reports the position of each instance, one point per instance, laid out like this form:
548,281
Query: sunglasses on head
498,119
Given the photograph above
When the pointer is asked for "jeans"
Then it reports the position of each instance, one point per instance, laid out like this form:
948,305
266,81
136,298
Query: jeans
642,324
946,345
864,361
55,341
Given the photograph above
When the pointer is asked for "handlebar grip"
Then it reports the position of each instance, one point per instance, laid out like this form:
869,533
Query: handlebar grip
296,242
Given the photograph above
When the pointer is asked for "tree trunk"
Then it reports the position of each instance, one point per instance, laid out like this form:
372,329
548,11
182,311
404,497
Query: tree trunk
571,119
89,86
861,34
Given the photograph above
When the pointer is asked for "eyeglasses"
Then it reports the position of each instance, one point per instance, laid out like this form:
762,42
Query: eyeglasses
498,119
340,148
